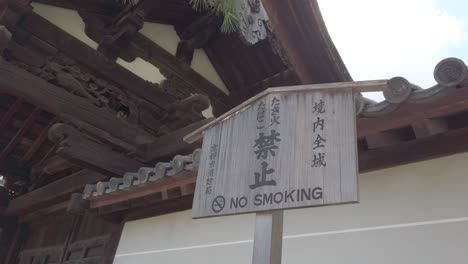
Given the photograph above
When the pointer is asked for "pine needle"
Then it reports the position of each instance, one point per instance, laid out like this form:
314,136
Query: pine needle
227,8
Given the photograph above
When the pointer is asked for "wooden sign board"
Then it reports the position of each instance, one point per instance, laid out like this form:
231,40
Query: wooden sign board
286,148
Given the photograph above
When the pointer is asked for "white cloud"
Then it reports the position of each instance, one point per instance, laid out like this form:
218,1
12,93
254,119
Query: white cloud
382,39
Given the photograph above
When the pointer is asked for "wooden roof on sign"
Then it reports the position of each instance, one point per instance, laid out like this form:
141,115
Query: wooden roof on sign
362,86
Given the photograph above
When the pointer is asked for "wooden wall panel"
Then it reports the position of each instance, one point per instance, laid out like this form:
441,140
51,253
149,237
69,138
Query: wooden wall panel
92,240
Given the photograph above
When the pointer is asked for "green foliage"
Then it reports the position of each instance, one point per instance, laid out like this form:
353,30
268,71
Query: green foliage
227,8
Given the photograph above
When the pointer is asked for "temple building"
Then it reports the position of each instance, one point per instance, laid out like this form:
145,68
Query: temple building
96,97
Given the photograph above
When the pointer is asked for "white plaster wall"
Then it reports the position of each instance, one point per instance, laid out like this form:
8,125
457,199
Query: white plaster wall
66,19
163,35
416,213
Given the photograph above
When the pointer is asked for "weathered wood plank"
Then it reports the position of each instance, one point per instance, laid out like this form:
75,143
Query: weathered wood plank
97,157
52,192
172,144
89,154
268,238
285,150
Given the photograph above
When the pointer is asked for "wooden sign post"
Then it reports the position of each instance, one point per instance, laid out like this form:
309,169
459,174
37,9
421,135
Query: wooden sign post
288,147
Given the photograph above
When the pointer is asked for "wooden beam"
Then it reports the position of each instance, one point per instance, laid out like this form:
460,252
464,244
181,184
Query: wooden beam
196,35
455,101
300,28
9,114
146,49
286,77
94,60
171,144
89,154
58,101
42,212
38,141
50,166
185,52
21,132
382,139
134,45
451,142
161,208
52,192
429,127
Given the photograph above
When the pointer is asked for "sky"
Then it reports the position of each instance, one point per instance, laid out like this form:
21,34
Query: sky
381,39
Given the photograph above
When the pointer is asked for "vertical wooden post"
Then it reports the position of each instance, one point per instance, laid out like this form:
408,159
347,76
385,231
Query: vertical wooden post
268,238
20,235
73,228
8,226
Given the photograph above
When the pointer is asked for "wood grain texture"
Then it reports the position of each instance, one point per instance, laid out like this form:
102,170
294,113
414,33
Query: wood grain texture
268,238
229,171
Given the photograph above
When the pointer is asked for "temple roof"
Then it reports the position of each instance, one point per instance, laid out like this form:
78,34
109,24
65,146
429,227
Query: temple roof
58,95
413,124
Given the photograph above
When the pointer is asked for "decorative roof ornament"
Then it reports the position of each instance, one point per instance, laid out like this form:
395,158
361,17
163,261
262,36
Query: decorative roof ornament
450,73
252,21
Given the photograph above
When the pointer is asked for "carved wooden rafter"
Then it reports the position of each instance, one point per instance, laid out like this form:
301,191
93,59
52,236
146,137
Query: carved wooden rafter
11,11
40,30
114,33
182,78
65,73
58,101
83,150
184,112
45,61
196,35
175,70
